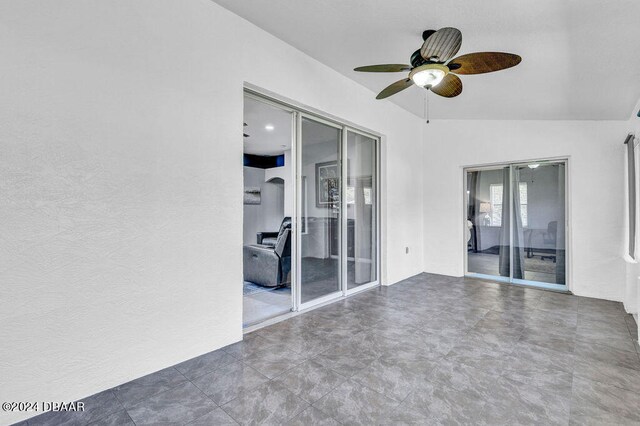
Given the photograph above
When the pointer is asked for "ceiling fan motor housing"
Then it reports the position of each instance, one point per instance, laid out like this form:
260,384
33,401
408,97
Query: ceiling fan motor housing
417,59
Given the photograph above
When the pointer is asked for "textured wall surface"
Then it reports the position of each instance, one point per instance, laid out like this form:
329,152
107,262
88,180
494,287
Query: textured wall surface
121,184
120,237
596,190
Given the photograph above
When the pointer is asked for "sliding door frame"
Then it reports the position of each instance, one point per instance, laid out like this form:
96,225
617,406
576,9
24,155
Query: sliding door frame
375,185
298,235
294,126
567,205
300,111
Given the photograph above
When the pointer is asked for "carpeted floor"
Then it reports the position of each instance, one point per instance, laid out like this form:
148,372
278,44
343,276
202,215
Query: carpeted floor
261,303
319,278
251,288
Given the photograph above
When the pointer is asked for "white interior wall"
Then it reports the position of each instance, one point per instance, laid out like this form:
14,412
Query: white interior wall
266,216
632,278
543,195
121,184
596,182
284,173
543,204
401,168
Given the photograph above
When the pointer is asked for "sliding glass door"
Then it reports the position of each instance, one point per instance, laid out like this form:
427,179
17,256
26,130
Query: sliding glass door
488,244
335,204
361,201
539,238
320,240
515,223
338,210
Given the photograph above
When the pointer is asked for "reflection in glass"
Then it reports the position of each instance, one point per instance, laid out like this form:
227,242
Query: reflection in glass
542,230
488,222
537,234
361,212
320,241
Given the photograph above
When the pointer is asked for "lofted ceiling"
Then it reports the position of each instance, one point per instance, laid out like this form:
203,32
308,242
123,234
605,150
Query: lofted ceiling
580,57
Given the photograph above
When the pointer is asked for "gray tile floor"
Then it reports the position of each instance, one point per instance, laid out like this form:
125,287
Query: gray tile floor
429,350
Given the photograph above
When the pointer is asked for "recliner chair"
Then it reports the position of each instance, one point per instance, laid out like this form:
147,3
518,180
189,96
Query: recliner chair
269,238
268,265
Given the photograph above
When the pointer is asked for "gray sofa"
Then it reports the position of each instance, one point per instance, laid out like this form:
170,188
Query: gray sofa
268,263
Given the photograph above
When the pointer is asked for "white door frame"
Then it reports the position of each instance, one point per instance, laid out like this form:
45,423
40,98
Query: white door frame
567,287
300,305
299,111
376,185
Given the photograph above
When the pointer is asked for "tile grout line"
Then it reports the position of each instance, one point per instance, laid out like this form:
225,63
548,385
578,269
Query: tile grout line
386,341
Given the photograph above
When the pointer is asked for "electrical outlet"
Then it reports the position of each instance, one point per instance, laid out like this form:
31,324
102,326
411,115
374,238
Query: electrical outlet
406,250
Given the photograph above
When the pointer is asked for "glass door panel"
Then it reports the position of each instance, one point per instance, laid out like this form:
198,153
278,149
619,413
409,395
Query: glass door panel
361,200
539,231
320,235
488,233
516,223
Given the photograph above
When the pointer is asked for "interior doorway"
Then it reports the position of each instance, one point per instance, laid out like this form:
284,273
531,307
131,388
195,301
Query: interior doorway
268,207
516,223
311,209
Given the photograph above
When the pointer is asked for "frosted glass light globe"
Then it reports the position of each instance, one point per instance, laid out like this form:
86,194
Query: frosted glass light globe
428,75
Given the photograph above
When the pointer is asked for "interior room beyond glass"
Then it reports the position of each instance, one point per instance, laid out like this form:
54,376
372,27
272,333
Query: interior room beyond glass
311,209
516,223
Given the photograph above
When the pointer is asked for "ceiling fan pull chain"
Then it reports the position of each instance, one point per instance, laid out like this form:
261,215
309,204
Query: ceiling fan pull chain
426,105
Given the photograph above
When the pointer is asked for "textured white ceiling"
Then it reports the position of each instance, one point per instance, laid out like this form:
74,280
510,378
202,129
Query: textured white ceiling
581,58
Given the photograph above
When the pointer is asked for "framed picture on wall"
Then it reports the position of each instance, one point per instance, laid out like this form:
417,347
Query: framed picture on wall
252,196
327,184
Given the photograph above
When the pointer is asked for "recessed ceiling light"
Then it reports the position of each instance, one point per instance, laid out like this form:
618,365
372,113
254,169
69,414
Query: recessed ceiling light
269,127
534,166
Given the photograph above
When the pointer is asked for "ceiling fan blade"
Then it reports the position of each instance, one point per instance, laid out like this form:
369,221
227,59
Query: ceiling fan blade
483,62
394,88
442,45
384,68
449,87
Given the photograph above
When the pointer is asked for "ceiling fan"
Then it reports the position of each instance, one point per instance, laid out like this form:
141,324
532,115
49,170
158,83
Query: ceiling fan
433,69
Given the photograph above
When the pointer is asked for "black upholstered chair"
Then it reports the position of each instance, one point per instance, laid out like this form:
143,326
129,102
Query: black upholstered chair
269,265
269,238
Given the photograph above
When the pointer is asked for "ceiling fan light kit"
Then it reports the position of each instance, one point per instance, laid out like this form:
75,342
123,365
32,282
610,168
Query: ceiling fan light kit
433,69
428,75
